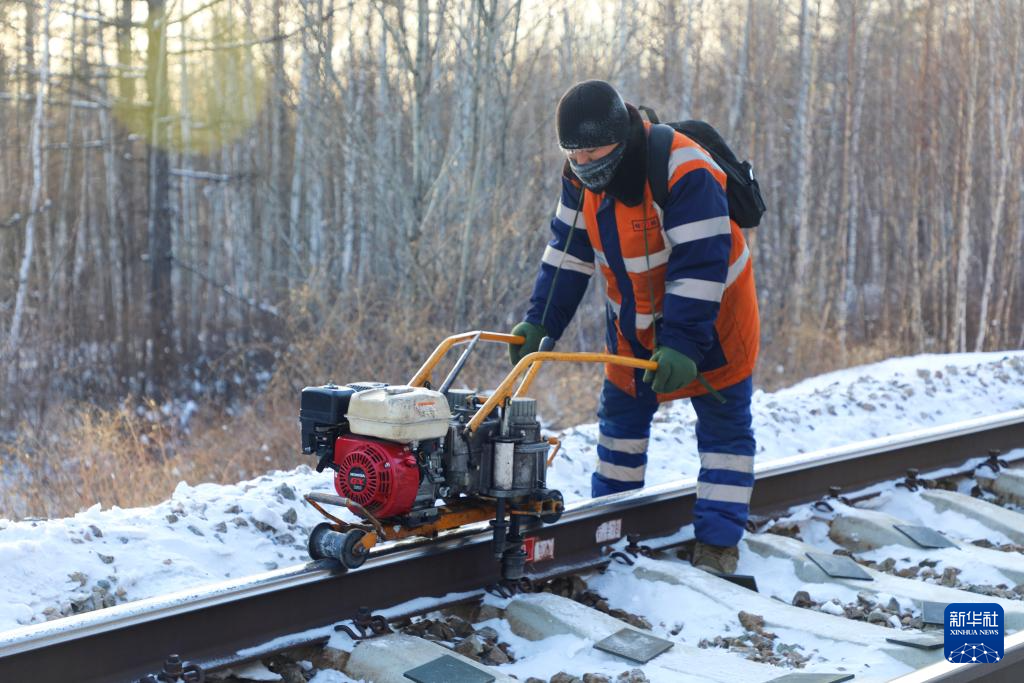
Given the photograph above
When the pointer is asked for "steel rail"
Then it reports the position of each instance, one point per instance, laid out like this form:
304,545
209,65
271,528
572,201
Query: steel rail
209,623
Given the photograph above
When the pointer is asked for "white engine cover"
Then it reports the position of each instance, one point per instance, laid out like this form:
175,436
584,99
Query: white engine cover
399,413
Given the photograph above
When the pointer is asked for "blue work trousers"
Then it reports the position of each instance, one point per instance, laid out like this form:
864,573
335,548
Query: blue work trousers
725,441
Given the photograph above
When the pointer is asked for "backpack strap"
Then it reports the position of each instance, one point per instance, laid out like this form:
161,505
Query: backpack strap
659,147
651,115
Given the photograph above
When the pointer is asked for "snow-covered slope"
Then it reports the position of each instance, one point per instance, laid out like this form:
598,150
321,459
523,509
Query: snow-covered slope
206,533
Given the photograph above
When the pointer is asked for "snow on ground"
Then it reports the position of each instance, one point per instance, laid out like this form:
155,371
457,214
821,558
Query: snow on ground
202,534
701,619
207,533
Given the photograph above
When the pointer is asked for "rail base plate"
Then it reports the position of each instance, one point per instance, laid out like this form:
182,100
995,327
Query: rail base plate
447,669
922,642
742,580
924,537
933,613
839,566
633,645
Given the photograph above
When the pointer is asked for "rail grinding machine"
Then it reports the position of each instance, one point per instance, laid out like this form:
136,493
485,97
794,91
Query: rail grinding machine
410,460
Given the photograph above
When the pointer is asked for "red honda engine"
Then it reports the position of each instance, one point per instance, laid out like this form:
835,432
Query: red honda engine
382,476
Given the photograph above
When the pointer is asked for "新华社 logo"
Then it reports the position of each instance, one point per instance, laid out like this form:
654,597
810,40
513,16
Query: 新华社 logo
974,632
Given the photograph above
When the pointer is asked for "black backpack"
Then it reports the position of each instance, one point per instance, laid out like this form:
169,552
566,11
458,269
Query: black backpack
746,206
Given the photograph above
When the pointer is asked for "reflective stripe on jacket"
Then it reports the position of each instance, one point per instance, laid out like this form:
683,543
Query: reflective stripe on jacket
695,262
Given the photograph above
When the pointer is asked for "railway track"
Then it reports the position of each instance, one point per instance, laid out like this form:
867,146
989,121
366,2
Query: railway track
232,622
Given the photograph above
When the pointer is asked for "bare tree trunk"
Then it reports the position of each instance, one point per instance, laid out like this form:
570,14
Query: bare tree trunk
61,290
353,114
107,249
568,53
920,140
185,281
1004,126
801,153
420,67
740,77
1010,313
856,74
479,50
82,321
276,221
385,214
128,359
36,143
686,73
296,202
483,115
161,302
671,20
624,66
843,291
958,341
320,248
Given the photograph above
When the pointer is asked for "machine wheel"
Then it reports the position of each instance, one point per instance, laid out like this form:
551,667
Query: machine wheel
315,547
554,497
352,554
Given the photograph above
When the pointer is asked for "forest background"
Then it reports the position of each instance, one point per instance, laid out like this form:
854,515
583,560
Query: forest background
207,204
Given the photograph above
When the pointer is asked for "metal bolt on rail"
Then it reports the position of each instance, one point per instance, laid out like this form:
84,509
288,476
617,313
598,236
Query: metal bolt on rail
174,670
994,462
911,482
633,549
988,471
834,493
367,624
509,589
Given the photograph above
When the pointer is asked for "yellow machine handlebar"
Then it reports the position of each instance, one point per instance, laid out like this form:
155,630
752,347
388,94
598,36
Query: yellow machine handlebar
534,359
529,364
426,370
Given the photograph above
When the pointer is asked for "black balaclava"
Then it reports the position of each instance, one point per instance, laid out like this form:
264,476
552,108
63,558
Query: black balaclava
592,114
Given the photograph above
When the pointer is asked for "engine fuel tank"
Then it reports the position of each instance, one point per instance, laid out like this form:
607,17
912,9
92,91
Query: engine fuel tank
399,413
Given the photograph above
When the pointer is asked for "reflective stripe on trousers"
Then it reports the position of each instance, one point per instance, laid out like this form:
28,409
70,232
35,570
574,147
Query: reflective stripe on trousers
725,441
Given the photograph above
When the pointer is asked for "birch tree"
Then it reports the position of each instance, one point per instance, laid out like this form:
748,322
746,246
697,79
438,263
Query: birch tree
36,145
1004,126
801,151
958,330
161,302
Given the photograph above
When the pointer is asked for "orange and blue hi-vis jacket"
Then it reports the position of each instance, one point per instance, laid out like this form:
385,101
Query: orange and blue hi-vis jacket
696,261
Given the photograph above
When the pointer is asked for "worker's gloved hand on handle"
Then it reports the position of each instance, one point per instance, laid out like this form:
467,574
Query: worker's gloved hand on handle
533,335
675,370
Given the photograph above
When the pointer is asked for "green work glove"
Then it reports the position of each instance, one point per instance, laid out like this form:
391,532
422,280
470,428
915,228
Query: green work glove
533,334
675,370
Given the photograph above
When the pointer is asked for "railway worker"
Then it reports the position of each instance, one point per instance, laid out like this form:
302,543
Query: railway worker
680,291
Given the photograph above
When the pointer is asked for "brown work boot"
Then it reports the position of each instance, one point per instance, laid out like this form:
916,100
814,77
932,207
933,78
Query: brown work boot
715,558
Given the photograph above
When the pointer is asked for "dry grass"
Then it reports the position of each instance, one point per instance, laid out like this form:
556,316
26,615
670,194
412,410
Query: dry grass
132,455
